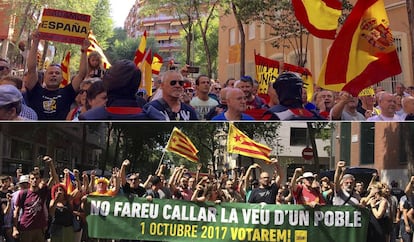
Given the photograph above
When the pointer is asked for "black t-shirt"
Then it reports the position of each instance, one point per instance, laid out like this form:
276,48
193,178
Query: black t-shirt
139,191
51,105
266,195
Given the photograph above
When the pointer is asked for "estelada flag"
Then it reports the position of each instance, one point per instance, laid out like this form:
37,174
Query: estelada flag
96,47
156,64
181,145
140,52
239,143
319,17
65,70
69,178
363,53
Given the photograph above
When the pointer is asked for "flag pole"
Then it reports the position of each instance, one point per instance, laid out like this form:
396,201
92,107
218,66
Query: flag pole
163,151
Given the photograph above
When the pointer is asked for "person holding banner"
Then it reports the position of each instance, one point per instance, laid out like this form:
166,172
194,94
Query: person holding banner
306,193
267,191
51,102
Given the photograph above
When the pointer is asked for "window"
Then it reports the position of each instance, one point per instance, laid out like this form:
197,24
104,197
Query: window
298,136
232,37
400,45
21,150
367,143
252,31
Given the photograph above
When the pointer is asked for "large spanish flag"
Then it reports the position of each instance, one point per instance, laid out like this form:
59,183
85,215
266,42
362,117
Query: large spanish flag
363,52
180,144
146,70
320,17
239,143
156,65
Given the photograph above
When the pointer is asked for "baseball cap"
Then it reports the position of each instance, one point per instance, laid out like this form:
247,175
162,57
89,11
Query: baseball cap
9,94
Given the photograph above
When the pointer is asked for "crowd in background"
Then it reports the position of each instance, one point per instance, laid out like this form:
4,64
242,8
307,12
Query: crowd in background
36,208
98,94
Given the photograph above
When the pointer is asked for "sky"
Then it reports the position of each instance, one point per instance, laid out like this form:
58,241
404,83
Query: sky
120,10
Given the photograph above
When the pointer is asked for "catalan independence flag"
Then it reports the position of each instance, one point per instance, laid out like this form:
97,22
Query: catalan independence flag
239,143
320,17
181,145
65,70
69,179
363,53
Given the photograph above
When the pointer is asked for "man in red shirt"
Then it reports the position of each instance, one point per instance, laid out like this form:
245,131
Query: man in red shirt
306,193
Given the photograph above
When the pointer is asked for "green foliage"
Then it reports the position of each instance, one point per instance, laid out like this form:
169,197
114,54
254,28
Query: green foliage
101,22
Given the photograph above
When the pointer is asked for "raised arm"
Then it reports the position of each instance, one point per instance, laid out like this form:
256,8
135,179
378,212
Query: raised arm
122,172
54,176
30,79
83,66
409,187
338,174
296,175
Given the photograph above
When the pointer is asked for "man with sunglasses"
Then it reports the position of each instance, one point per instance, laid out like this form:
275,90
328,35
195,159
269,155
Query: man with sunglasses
49,100
170,105
4,68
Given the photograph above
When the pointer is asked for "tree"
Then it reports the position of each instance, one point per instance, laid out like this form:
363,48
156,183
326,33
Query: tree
245,12
101,22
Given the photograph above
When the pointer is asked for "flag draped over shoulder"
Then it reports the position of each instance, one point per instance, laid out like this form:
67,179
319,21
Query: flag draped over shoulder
267,70
363,53
320,17
65,70
156,64
96,47
181,145
239,143
140,52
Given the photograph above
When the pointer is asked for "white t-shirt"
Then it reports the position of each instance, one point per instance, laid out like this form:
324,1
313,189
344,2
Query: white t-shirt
203,107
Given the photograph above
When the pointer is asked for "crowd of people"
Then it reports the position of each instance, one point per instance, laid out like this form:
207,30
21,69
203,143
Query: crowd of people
114,94
36,208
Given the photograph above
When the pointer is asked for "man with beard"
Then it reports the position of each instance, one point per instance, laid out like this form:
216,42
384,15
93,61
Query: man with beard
344,187
230,194
49,101
266,192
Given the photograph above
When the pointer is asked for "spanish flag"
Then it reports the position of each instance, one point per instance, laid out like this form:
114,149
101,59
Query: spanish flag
140,52
239,143
156,64
65,70
320,17
180,144
363,53
96,47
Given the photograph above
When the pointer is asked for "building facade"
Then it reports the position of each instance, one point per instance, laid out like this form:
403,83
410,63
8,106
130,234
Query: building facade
71,145
384,146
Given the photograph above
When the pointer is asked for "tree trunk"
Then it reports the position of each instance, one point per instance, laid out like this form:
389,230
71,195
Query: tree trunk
189,41
106,158
311,131
242,41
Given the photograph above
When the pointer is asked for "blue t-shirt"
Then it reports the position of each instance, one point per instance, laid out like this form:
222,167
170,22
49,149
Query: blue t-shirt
186,112
243,117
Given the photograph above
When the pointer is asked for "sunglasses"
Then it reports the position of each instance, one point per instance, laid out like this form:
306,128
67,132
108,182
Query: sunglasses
217,88
3,68
189,90
82,91
173,82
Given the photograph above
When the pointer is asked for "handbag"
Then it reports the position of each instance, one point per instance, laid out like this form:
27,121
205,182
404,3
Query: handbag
77,224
